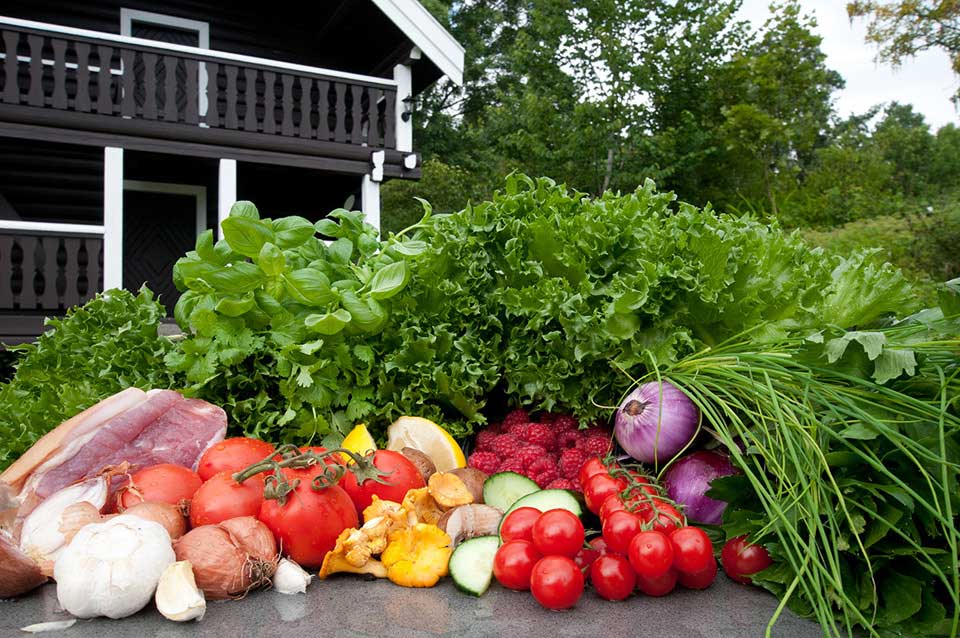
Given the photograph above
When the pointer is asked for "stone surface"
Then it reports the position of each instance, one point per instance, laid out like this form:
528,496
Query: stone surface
350,606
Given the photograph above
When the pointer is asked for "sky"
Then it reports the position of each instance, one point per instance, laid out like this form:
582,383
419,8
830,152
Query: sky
925,81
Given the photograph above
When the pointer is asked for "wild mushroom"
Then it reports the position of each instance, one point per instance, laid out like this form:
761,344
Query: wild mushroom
417,556
468,521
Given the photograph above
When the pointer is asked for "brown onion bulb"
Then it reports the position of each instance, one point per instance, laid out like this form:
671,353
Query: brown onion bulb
170,516
231,558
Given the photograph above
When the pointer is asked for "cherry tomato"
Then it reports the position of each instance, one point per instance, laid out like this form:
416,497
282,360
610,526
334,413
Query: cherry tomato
556,582
657,585
599,487
701,579
741,559
401,475
519,524
613,577
651,554
619,528
692,550
221,498
232,455
661,516
513,564
611,504
307,525
163,483
558,532
586,555
592,466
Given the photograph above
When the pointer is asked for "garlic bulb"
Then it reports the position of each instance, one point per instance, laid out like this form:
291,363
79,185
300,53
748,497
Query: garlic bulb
40,537
178,597
290,578
112,568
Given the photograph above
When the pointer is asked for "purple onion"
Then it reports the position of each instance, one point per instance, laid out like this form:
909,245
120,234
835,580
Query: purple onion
653,424
688,480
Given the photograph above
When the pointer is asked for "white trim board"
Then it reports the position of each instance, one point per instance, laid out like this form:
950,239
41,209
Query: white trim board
426,33
51,227
198,192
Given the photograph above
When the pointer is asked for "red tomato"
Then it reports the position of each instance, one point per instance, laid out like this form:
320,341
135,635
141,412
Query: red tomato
741,559
658,585
692,550
556,582
664,518
513,563
558,532
163,483
401,475
221,498
307,525
586,555
651,554
701,579
591,467
619,528
232,455
613,577
519,524
599,488
610,505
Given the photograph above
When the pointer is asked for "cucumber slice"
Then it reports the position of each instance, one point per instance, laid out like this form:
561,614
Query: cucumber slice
471,564
544,500
501,490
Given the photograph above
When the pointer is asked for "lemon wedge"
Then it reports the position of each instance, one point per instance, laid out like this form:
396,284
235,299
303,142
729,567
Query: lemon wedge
359,441
428,437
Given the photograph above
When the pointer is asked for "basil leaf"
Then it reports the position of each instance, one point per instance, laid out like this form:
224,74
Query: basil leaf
223,254
204,246
410,248
235,306
308,286
389,280
340,251
184,308
329,228
244,209
246,236
239,277
271,260
329,323
292,231
268,303
367,314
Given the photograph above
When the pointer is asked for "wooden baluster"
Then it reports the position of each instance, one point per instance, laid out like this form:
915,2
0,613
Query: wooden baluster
35,95
250,100
306,101
231,95
82,101
149,86
192,115
59,73
356,115
269,102
213,105
39,272
286,126
170,88
11,89
16,272
340,131
104,99
83,263
128,102
373,116
323,110
61,279
389,138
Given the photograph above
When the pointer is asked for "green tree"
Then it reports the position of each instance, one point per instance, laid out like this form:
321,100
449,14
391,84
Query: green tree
904,139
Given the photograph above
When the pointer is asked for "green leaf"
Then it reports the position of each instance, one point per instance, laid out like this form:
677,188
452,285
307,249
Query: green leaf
388,281
872,343
948,296
204,246
292,231
329,228
340,251
892,363
409,248
244,209
235,306
329,323
238,277
367,314
859,432
900,596
271,260
308,286
245,235
268,303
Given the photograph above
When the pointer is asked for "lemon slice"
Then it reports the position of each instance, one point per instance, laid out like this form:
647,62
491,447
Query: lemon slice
359,441
429,438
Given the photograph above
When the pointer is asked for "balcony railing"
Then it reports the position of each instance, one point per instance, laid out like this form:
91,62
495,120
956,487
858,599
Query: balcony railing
109,84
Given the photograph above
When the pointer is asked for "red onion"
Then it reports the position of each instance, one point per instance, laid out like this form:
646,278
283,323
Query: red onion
688,480
655,422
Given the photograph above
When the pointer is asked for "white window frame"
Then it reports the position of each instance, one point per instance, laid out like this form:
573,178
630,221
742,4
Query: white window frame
198,192
129,16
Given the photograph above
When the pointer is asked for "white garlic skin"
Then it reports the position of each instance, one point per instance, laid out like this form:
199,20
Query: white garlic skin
290,578
178,598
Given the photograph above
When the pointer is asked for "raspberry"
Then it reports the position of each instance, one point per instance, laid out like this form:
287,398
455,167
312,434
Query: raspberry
540,434
540,466
548,418
530,453
565,422
571,460
567,439
504,445
516,416
596,445
519,430
484,439
562,484
486,462
510,465
546,477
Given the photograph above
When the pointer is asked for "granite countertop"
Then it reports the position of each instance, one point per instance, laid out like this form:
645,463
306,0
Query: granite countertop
351,606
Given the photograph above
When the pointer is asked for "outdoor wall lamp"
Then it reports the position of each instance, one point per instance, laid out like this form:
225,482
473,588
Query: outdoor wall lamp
407,108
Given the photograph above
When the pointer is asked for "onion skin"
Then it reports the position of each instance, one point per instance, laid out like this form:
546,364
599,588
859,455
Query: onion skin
18,572
170,516
648,409
688,479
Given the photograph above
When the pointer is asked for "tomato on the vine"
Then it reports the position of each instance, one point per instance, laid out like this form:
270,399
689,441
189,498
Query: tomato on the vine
692,550
232,455
742,559
591,467
400,475
598,488
651,554
556,582
163,483
610,505
657,585
619,528
559,532
513,564
221,498
701,579
661,516
613,577
597,547
519,524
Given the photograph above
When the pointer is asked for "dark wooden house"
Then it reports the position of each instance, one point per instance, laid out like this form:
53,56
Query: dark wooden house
128,127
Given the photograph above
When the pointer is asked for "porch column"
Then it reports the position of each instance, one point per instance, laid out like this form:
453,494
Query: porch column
370,201
404,119
112,217
227,190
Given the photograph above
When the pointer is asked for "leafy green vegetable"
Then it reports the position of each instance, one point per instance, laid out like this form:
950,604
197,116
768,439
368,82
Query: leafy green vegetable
105,346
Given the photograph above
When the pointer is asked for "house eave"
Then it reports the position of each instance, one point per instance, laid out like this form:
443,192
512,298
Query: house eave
428,34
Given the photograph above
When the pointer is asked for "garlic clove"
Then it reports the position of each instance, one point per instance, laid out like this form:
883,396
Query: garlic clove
290,578
178,597
76,517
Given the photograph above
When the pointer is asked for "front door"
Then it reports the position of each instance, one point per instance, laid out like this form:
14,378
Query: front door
158,229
